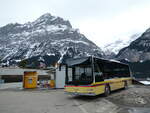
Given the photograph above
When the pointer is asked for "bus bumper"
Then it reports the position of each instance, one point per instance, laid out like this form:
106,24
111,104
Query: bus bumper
80,94
80,90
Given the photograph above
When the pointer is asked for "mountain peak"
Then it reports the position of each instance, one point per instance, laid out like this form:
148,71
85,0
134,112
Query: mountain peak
44,18
48,19
46,15
49,37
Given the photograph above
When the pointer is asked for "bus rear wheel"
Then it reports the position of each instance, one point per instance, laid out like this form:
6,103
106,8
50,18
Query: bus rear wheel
107,90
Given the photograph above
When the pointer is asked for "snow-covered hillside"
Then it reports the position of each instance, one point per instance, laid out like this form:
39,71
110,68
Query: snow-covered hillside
116,46
138,50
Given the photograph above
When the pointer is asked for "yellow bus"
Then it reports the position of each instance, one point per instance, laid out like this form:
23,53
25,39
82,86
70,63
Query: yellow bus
93,76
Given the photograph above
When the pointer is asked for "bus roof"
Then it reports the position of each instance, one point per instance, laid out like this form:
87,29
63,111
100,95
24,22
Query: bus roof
77,61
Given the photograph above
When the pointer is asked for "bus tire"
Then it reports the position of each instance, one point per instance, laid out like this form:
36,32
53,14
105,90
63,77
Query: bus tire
125,85
107,90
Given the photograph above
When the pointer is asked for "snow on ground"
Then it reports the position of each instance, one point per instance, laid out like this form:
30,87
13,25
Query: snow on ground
145,82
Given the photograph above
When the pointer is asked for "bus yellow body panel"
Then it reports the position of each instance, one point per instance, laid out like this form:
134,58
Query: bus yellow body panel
98,87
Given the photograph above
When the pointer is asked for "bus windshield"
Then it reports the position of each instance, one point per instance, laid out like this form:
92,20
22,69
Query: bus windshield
81,75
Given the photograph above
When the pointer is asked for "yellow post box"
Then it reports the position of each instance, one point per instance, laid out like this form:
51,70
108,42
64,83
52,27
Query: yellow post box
30,79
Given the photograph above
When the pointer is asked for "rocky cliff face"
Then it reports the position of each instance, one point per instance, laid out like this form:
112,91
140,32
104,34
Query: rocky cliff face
49,38
138,50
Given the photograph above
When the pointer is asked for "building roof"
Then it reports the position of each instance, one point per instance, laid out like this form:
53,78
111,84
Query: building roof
19,71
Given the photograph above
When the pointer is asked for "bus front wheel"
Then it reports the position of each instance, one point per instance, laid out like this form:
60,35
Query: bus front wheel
107,90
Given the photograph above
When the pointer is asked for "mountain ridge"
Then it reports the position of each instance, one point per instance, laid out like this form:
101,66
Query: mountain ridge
49,37
138,50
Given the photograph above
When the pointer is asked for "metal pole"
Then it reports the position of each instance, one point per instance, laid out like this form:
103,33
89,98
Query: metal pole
93,69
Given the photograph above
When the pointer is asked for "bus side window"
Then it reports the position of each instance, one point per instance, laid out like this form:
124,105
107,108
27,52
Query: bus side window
98,73
99,77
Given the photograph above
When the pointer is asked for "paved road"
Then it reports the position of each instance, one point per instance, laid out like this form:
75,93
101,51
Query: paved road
50,101
55,101
36,102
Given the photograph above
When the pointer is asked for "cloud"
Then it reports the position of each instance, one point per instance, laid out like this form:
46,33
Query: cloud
102,21
121,26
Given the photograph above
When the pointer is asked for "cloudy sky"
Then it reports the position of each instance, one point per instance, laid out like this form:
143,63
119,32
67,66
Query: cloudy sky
102,21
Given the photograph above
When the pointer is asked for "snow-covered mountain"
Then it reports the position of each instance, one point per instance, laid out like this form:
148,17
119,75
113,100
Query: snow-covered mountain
138,50
49,38
116,46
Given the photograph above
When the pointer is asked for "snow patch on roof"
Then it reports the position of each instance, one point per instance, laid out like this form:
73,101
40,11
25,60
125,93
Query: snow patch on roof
114,60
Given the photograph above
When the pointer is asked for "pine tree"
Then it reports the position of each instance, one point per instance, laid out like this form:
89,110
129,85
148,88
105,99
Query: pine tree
23,63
